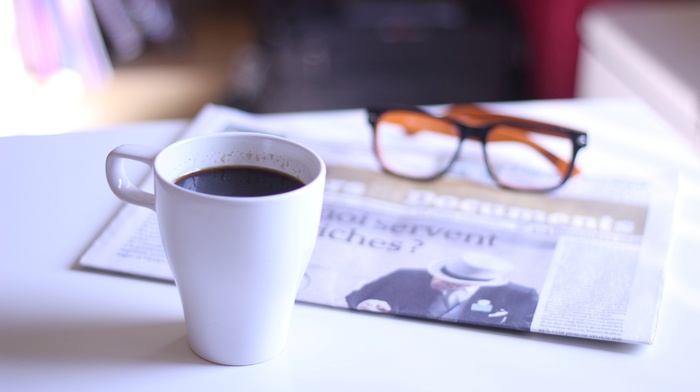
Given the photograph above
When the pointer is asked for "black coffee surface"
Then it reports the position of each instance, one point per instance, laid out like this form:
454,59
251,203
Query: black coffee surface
241,181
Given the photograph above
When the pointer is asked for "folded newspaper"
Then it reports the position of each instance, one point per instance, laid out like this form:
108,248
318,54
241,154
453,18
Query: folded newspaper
585,261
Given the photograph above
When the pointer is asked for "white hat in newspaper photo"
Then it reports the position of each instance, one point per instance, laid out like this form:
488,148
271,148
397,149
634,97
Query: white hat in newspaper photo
472,268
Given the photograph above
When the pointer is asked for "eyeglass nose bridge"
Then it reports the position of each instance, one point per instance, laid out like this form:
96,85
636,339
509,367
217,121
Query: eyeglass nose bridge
466,132
472,133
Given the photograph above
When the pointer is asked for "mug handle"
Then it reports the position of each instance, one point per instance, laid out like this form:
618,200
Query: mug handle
119,180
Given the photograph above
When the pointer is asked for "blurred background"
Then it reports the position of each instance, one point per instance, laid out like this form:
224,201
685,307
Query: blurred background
68,65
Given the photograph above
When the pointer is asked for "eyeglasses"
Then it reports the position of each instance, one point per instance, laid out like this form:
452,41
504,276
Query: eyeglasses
520,154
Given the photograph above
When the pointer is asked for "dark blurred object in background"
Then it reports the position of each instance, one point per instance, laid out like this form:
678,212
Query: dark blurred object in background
331,54
131,26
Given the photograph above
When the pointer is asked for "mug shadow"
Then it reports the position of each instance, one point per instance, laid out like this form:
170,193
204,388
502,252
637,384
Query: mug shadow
100,342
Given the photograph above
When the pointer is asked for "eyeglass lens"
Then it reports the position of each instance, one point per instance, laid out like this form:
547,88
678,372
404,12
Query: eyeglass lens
419,146
528,159
414,145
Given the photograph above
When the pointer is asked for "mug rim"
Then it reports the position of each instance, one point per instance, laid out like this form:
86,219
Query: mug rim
318,176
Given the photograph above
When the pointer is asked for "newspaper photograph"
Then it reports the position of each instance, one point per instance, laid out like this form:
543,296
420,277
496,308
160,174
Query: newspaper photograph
581,261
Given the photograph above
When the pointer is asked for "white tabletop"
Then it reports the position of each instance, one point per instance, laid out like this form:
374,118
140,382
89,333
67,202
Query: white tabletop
63,328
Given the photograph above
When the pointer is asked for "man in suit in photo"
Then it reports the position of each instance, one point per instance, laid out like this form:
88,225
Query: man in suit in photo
470,289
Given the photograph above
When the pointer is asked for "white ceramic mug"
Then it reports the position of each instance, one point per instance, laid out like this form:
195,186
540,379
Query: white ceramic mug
237,261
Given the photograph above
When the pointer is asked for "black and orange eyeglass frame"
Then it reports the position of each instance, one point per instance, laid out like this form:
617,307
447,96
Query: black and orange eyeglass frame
476,123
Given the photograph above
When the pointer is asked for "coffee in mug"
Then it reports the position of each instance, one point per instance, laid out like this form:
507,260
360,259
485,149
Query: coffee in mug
243,181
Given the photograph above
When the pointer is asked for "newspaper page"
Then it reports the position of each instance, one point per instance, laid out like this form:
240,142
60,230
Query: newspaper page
586,261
